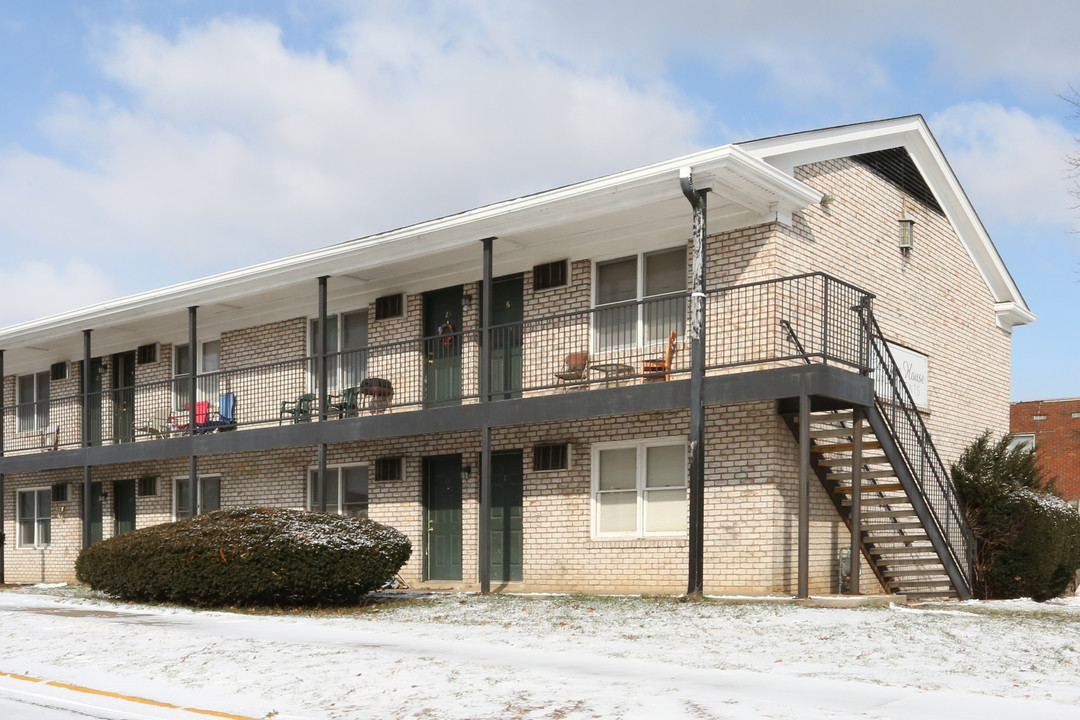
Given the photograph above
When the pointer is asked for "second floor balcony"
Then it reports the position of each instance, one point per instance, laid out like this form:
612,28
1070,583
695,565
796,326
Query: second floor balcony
812,318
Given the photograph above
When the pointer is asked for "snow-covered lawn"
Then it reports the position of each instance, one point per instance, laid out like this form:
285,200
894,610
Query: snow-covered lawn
466,656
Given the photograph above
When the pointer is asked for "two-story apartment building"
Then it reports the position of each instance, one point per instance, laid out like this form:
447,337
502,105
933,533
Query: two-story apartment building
731,372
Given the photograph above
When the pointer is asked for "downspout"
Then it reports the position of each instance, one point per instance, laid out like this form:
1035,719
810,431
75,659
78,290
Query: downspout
696,550
321,338
484,529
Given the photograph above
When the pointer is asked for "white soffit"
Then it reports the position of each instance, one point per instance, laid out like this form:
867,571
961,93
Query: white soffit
786,152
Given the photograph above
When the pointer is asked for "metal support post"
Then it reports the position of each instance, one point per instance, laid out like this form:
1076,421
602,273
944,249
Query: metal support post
193,368
804,496
696,561
856,499
86,400
484,554
321,389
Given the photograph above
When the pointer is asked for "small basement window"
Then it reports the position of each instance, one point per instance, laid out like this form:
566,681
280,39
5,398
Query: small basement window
551,457
58,371
389,469
390,306
146,354
147,487
550,275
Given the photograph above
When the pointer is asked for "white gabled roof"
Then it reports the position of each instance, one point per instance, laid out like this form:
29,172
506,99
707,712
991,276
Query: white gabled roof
753,183
785,152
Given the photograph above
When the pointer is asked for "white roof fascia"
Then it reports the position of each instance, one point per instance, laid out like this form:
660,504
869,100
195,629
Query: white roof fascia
725,166
790,151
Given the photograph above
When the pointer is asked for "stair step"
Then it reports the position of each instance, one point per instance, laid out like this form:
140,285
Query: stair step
922,583
845,447
926,565
879,514
840,462
866,475
846,489
917,550
890,526
845,432
892,500
897,538
913,573
844,416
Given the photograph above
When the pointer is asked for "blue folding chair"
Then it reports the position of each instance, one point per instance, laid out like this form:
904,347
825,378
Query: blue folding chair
225,416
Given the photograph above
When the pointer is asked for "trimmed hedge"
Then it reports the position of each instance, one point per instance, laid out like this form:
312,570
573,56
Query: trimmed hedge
1027,538
248,556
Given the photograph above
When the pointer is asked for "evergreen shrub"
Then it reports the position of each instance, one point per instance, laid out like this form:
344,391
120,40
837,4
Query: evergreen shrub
248,556
1027,538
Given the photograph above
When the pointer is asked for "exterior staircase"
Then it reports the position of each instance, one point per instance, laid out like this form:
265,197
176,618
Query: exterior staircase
895,541
913,530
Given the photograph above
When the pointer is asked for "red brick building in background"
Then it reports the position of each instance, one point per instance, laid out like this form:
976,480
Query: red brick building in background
1054,426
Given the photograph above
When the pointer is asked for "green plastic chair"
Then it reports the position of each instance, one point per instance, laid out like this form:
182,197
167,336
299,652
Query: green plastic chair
299,410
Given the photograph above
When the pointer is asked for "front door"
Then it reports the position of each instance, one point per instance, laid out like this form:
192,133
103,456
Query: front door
506,536
96,507
442,351
93,380
123,383
442,517
124,505
506,316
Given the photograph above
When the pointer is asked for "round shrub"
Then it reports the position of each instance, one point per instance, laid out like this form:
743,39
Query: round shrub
248,556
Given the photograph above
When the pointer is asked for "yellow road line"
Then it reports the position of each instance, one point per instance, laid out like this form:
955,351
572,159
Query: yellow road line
128,698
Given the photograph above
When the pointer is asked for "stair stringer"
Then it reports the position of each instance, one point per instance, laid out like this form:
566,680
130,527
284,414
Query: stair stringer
918,502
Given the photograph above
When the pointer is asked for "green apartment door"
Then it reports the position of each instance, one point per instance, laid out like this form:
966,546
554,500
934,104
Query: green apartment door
442,517
124,505
123,383
96,512
442,352
506,530
506,315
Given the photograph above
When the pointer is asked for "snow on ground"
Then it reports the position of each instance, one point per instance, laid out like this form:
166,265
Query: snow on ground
560,657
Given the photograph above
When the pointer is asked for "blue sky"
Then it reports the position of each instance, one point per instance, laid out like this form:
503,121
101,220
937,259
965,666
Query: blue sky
144,143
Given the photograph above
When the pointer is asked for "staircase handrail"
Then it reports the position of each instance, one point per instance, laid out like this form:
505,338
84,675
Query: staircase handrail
919,453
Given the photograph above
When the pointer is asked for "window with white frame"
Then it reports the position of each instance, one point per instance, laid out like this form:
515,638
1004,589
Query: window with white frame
32,401
640,299
346,349
208,387
1022,440
639,488
207,499
346,490
34,517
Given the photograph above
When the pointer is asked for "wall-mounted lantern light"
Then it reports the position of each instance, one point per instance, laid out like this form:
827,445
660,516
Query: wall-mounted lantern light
907,234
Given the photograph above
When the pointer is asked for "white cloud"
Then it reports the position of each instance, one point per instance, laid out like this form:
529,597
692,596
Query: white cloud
235,148
37,289
1010,162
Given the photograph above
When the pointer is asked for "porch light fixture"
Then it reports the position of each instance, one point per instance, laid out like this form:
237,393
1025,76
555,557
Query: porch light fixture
907,234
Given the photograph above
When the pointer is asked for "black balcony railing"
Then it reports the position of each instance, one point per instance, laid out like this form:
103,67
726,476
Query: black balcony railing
749,326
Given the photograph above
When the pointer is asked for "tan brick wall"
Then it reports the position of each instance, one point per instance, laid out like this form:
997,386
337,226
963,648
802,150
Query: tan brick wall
751,499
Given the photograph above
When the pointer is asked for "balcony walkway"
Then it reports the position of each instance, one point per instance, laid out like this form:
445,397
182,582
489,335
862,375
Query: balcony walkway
764,341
